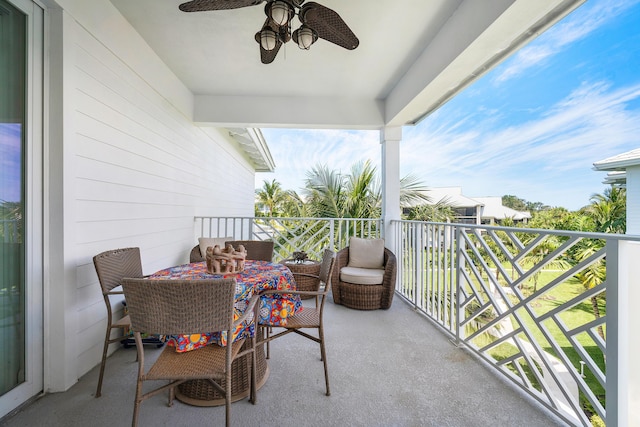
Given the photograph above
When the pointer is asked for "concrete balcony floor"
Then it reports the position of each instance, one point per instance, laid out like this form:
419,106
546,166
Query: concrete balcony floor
387,368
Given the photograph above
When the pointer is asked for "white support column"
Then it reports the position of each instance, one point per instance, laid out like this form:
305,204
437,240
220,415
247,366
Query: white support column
623,347
390,138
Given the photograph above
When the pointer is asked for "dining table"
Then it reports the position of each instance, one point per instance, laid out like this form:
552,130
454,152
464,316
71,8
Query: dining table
275,309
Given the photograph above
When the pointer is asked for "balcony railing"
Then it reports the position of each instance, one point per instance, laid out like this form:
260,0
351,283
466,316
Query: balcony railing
530,303
311,235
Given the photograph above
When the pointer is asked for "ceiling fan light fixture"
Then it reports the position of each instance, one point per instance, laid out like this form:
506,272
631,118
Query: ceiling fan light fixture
268,39
304,37
280,12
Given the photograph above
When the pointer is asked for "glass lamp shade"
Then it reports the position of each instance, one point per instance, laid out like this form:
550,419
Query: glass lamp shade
280,12
305,37
268,39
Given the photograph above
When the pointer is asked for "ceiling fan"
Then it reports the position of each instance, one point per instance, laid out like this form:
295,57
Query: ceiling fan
317,22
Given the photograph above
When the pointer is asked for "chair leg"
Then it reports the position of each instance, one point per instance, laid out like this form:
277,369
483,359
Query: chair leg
254,368
267,333
172,395
104,361
136,406
323,355
227,409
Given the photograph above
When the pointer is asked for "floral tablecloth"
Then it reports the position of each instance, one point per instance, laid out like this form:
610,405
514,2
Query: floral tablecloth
256,277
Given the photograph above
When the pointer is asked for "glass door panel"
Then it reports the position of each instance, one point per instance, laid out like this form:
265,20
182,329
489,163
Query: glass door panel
13,60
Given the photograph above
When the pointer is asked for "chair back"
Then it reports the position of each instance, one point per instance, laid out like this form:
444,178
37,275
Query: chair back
326,268
258,250
195,255
114,265
180,307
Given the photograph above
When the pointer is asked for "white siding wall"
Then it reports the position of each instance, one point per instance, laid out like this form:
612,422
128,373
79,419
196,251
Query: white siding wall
633,200
135,171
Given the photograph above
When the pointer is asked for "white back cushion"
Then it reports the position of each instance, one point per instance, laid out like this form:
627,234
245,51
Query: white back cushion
366,253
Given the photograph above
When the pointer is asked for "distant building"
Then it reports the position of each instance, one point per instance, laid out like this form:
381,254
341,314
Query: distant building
493,212
473,210
624,171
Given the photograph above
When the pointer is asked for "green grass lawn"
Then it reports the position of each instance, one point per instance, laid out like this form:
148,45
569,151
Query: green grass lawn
577,316
572,318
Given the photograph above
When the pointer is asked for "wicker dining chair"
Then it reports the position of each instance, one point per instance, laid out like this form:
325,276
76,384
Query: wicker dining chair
184,307
112,266
309,318
195,255
259,250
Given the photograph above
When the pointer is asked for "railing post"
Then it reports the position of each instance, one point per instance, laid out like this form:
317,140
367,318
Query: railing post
623,346
419,262
332,234
458,299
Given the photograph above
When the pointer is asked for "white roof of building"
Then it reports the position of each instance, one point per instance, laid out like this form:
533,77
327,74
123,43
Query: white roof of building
493,209
451,196
616,178
620,162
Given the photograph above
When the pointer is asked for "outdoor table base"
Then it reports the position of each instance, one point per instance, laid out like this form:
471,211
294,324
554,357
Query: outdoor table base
203,393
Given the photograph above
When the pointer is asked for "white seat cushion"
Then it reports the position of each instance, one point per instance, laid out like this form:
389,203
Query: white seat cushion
362,276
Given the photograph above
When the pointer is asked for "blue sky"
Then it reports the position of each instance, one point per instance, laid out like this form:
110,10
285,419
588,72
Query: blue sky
532,127
10,162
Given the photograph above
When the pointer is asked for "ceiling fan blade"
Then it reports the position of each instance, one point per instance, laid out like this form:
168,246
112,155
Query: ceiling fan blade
329,25
267,56
204,5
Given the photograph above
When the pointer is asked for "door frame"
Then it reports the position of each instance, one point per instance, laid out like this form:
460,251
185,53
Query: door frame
34,208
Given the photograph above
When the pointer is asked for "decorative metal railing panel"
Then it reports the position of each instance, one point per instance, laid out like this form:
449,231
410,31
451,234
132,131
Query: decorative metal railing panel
532,303
311,235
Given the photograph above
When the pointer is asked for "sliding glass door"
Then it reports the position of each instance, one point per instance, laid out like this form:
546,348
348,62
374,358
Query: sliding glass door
20,148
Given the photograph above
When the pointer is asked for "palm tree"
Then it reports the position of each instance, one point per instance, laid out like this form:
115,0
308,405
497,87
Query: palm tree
538,255
363,196
11,213
440,211
355,195
324,192
270,196
609,210
593,275
608,214
293,206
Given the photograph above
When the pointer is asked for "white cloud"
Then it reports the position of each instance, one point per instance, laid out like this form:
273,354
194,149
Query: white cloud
296,152
541,156
570,30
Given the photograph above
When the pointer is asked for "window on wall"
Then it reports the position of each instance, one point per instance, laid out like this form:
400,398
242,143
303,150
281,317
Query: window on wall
13,54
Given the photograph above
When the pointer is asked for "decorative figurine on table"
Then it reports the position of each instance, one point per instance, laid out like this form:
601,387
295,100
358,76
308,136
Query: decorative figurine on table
227,260
300,257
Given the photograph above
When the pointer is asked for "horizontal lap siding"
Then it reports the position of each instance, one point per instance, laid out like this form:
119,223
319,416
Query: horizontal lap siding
141,172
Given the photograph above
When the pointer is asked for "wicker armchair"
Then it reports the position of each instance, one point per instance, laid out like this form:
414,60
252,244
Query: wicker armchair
183,307
364,297
112,266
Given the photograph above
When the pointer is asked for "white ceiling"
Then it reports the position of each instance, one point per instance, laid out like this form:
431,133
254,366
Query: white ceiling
413,56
